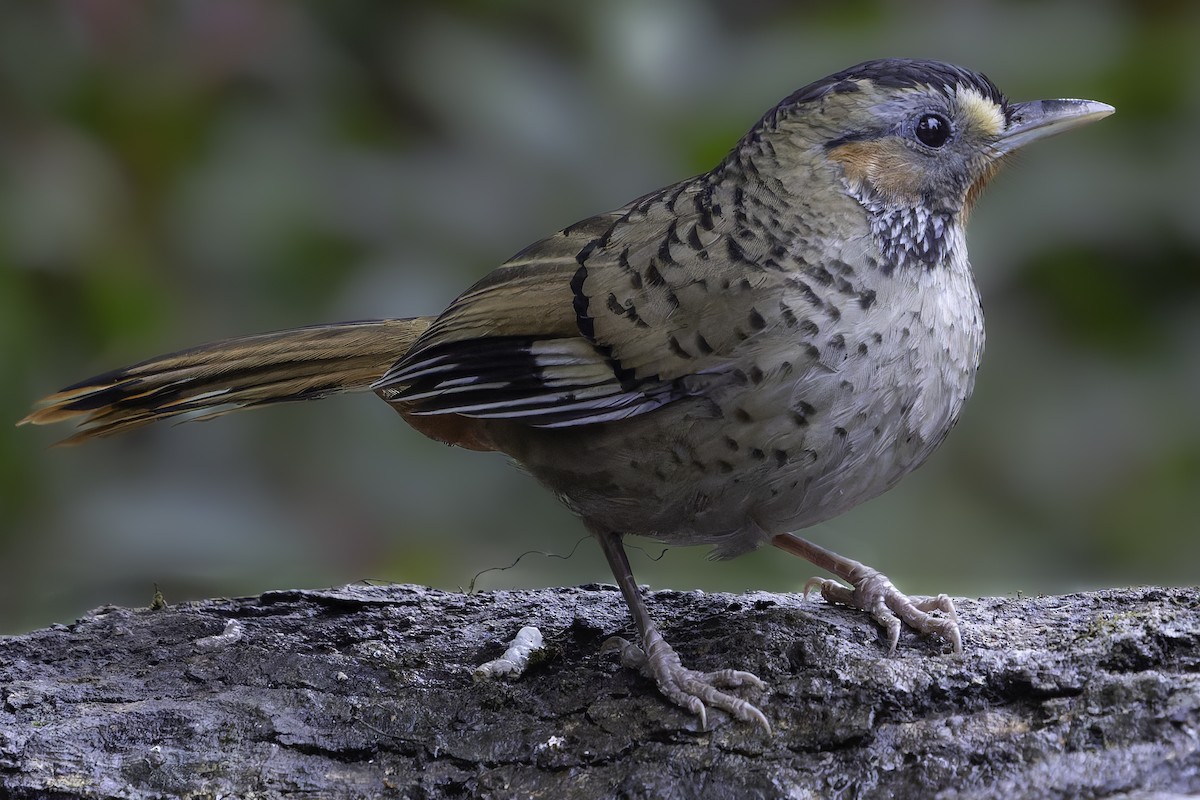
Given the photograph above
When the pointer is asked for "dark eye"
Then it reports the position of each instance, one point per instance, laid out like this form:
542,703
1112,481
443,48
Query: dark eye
933,130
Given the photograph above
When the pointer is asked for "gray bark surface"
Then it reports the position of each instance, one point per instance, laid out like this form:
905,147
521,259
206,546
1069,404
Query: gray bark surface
367,691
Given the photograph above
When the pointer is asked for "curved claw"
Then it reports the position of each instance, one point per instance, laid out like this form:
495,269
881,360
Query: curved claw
632,656
733,679
874,593
688,688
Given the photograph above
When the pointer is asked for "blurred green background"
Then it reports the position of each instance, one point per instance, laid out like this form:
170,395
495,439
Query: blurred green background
183,171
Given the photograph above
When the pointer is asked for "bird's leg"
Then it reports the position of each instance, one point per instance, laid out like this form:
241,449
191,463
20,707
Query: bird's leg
874,593
658,661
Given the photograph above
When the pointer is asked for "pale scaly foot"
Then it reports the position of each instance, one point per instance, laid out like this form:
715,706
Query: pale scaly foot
658,661
872,591
690,688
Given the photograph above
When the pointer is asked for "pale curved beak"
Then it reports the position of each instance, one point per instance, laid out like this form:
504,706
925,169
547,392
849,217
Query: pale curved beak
1038,119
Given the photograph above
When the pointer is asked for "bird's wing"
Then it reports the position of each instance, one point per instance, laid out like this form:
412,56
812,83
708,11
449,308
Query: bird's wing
607,319
689,297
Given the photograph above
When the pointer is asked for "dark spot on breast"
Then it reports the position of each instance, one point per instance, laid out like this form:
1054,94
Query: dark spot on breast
703,345
734,250
821,275
841,267
837,342
840,432
801,411
635,280
653,276
757,455
756,320
742,415
866,299
789,318
756,375
806,291
731,443
677,348
862,349
724,466
780,456
809,328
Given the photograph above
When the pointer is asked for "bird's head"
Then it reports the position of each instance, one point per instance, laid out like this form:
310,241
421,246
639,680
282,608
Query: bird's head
910,140
912,132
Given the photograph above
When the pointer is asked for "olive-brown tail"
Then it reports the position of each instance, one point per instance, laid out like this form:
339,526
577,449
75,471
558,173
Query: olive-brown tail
230,375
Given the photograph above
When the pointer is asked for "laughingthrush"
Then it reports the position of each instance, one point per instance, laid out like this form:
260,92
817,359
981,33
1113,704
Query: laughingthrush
725,360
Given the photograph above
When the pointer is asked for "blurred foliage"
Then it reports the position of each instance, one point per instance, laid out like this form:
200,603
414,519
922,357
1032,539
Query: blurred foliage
180,171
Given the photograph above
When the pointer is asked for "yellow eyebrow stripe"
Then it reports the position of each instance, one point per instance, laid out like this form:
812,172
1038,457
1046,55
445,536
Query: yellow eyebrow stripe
981,112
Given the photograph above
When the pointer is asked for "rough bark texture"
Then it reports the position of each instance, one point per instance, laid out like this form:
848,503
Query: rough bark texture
367,691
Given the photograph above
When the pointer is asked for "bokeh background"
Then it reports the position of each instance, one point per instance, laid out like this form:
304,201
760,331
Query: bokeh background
177,172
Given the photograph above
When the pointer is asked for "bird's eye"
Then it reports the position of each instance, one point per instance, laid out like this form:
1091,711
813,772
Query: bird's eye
933,130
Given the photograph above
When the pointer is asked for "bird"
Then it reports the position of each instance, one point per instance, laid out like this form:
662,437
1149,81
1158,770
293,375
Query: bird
724,361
